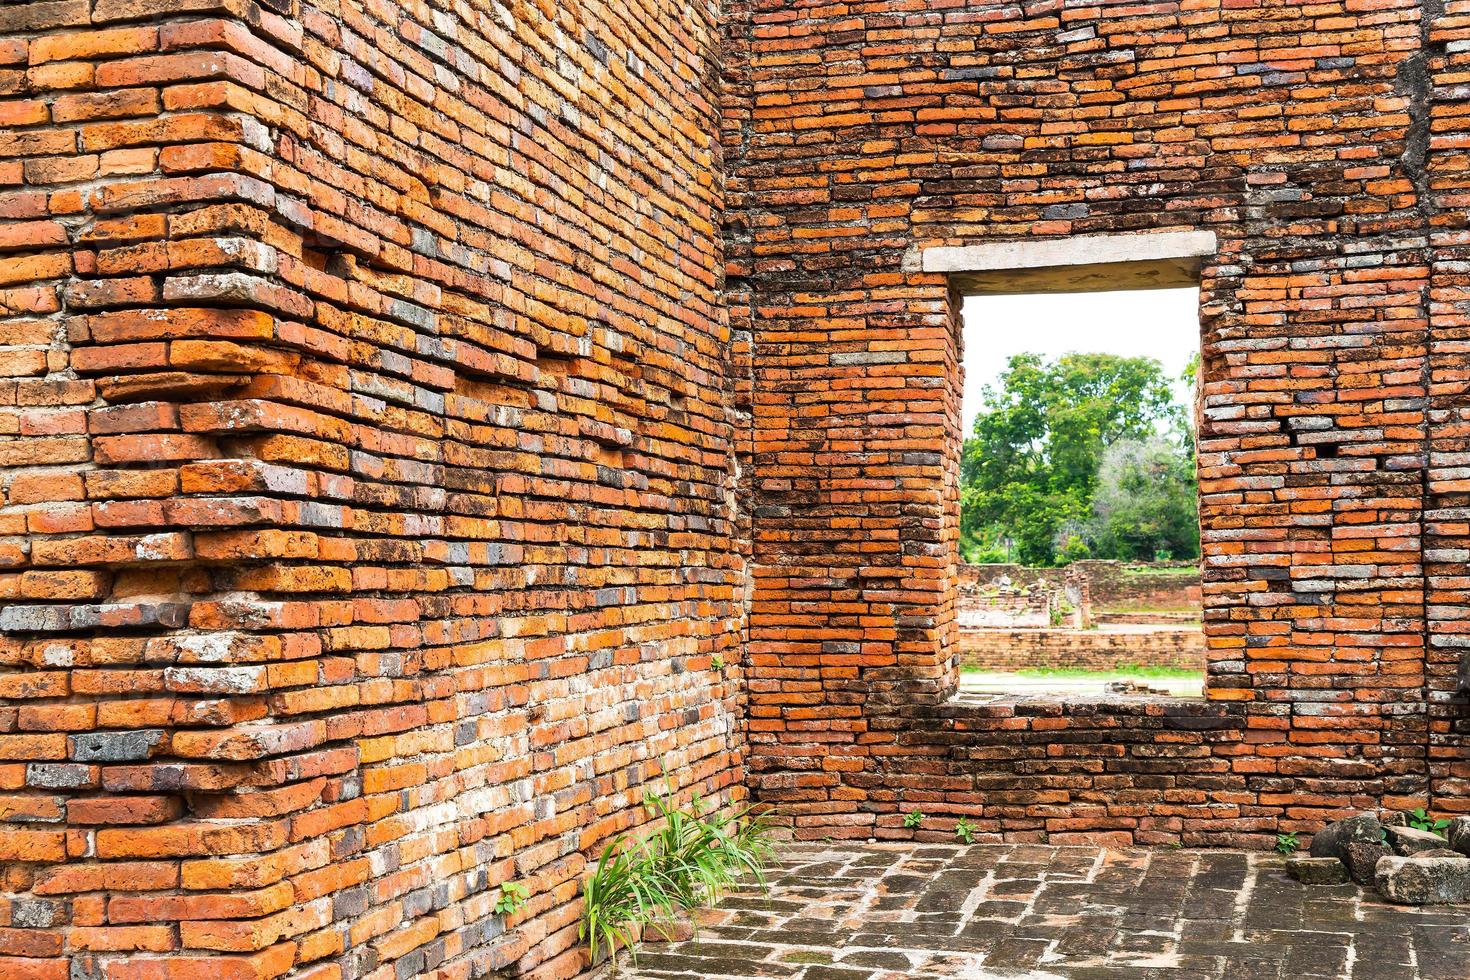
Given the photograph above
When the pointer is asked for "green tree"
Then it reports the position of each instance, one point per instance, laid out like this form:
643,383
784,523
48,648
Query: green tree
1030,469
1145,506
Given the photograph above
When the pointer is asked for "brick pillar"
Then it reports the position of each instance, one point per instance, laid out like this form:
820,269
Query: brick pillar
856,519
1436,145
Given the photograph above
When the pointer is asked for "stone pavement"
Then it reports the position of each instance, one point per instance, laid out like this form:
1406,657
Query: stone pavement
991,911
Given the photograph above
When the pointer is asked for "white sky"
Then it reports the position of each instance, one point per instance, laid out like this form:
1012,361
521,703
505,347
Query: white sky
1158,323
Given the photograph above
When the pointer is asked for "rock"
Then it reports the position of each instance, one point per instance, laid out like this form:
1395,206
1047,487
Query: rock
1317,871
1407,840
1362,858
1420,880
1458,834
1395,818
1442,852
1332,840
670,931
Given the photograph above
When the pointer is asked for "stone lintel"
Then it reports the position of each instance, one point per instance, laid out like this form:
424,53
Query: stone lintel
1082,263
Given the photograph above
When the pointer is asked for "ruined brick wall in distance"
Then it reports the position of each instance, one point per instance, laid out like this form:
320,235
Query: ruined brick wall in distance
1112,585
1323,145
365,538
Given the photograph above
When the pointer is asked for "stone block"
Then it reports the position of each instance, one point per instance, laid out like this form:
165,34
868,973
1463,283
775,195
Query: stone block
1408,840
1458,834
1332,840
1317,870
1423,880
1362,857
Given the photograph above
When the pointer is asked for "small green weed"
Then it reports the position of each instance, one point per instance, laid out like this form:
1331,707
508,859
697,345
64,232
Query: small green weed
512,896
1420,820
964,830
1287,843
913,819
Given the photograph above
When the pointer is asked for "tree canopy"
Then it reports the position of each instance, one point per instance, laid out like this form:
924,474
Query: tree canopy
1086,455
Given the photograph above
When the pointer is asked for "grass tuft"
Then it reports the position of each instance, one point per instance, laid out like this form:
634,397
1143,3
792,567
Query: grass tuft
689,862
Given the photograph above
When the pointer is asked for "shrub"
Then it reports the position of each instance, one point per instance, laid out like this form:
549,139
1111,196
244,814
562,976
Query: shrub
688,863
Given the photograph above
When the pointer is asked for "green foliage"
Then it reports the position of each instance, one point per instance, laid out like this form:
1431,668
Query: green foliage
983,546
1144,506
627,891
717,662
913,819
1075,549
688,862
964,830
1420,820
1031,470
1287,843
511,896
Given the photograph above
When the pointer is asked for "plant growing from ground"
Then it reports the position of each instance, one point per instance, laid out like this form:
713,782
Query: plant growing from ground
964,830
687,863
912,819
625,893
512,896
1420,820
1287,843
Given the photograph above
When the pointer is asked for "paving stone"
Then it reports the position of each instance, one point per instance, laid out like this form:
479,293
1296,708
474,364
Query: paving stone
1317,870
1150,930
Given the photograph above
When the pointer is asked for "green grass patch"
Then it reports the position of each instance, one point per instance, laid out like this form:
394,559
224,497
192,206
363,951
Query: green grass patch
1150,607
1168,570
1122,673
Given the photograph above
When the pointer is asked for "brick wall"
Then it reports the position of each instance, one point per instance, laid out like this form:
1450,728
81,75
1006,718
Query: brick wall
405,403
1112,585
1032,649
366,525
1441,171
1322,145
1159,586
982,606
1106,770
